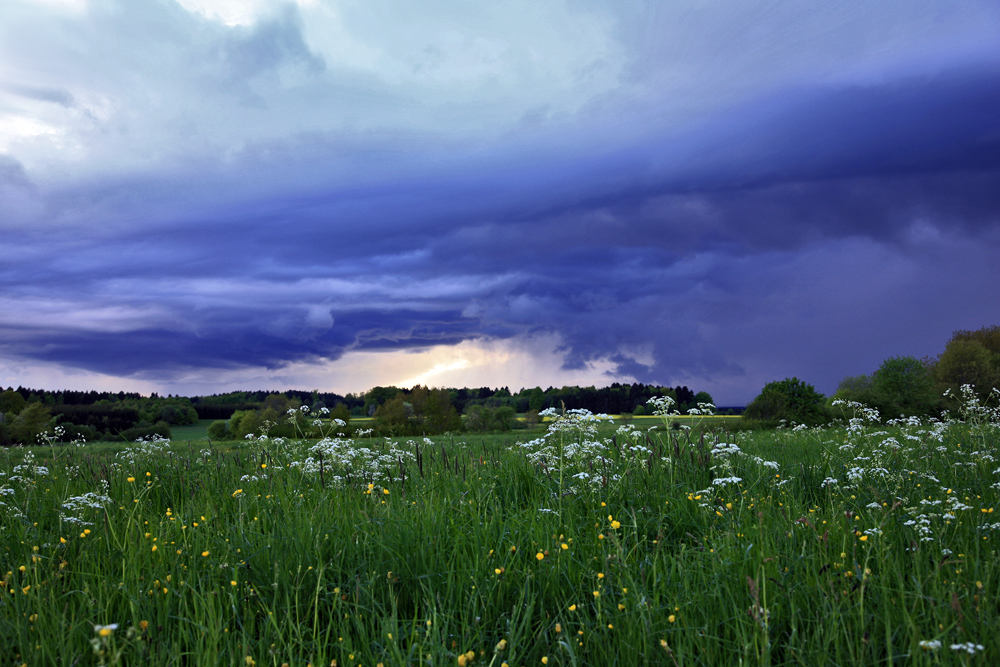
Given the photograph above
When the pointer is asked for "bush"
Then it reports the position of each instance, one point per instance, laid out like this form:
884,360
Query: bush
902,386
31,422
218,430
967,361
791,400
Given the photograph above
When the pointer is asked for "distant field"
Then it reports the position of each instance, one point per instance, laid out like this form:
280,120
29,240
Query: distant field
197,431
875,545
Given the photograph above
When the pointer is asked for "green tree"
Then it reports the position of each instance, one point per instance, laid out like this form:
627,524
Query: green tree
341,412
243,423
478,418
703,397
11,403
853,388
439,414
377,396
218,430
966,361
902,386
504,417
536,399
790,399
393,416
277,402
31,422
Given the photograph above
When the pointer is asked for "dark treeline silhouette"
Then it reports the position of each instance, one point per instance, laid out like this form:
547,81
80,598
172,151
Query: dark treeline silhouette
614,399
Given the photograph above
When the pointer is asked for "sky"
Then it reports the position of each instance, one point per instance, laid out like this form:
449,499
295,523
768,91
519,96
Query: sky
199,196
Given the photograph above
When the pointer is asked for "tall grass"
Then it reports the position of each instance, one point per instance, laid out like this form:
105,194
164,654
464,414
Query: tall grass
867,543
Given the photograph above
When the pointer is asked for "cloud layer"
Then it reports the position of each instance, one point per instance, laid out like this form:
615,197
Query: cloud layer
250,189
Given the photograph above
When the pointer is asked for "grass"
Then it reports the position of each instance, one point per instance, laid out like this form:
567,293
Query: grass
585,544
196,431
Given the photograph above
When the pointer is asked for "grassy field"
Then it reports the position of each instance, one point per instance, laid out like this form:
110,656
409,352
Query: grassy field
582,544
197,431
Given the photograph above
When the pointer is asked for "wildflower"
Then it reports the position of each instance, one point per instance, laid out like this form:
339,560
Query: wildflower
600,575
558,627
539,556
968,647
545,659
931,645
863,538
572,607
204,553
597,594
671,618
131,479
105,630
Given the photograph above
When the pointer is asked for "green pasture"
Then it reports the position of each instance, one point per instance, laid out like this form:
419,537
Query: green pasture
573,544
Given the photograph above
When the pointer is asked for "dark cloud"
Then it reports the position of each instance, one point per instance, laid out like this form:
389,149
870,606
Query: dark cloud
803,230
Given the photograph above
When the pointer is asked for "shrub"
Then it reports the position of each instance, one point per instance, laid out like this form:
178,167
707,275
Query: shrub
791,400
31,422
218,430
902,386
967,361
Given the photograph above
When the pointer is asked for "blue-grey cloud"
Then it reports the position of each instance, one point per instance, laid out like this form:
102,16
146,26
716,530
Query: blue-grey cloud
249,196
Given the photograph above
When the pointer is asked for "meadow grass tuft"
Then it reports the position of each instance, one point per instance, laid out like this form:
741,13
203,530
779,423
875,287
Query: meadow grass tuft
591,544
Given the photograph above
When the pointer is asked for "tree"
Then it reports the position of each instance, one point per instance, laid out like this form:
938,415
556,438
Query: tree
478,418
703,397
536,399
439,414
504,418
243,423
902,386
988,336
341,412
218,430
393,416
966,361
790,399
11,403
31,422
853,387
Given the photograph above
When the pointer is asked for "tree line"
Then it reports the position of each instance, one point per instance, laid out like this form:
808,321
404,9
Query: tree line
903,386
25,413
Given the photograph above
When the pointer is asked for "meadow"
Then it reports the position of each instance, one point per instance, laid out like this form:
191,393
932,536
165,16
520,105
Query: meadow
586,542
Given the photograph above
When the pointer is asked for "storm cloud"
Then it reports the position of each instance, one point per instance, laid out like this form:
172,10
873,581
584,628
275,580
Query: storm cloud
689,194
